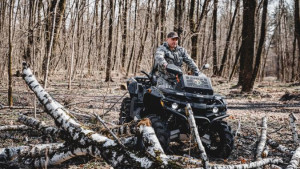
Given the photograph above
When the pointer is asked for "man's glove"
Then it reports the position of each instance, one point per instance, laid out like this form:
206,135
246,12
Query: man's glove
196,74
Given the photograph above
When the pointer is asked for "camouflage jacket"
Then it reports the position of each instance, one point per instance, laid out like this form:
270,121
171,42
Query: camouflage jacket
165,56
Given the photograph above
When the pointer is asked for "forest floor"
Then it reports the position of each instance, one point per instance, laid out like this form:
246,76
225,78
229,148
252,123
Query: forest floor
90,94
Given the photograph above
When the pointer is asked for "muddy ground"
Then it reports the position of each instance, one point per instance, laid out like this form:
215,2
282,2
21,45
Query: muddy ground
90,94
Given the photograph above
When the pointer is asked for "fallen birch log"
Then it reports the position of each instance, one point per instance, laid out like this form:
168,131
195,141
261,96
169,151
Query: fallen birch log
14,128
294,163
254,164
109,150
60,157
292,119
41,126
263,139
9,154
195,133
280,147
150,141
186,160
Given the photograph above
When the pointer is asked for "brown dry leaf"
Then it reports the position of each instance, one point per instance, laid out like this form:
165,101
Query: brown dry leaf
264,154
243,161
231,117
145,122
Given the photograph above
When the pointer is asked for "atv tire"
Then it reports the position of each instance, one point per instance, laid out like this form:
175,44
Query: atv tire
124,116
221,140
161,131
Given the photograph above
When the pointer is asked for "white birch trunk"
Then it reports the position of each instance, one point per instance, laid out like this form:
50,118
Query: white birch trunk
293,119
152,144
41,126
195,133
14,127
254,164
294,163
32,151
113,153
263,139
280,147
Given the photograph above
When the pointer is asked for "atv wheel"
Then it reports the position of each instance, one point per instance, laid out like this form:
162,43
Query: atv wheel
221,140
124,116
161,131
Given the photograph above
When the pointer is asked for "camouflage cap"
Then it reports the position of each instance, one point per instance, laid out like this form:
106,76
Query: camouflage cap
172,35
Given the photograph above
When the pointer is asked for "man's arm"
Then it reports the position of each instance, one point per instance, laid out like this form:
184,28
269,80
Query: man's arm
160,58
190,62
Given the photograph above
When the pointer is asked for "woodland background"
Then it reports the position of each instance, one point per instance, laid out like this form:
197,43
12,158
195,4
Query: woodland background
80,38
76,49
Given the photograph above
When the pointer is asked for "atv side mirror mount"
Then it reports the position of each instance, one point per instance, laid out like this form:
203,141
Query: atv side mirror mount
171,68
205,66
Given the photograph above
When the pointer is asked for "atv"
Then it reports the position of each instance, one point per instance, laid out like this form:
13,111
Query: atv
165,107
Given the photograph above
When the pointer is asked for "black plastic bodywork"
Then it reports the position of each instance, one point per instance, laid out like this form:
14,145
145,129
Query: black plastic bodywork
195,90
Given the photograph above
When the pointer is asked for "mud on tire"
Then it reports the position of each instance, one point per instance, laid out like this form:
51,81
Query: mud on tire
221,140
124,116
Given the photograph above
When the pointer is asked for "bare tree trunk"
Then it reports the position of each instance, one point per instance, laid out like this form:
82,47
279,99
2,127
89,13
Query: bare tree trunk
178,18
117,37
52,31
297,30
27,54
47,58
76,13
124,36
143,38
162,20
10,44
195,26
293,78
133,45
261,43
215,15
91,37
248,36
224,58
110,33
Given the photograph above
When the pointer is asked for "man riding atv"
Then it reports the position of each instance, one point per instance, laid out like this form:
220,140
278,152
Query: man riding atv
164,102
170,53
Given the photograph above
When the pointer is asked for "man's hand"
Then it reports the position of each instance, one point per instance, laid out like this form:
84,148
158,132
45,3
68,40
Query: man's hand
165,65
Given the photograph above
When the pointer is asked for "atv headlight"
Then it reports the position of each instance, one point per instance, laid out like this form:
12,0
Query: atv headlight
215,110
174,106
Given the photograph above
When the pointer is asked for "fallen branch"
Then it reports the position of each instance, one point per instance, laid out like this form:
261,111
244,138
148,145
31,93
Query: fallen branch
62,156
109,150
279,147
16,107
151,143
41,126
114,136
263,139
254,164
293,164
14,128
195,133
9,154
238,128
186,160
292,119
125,130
